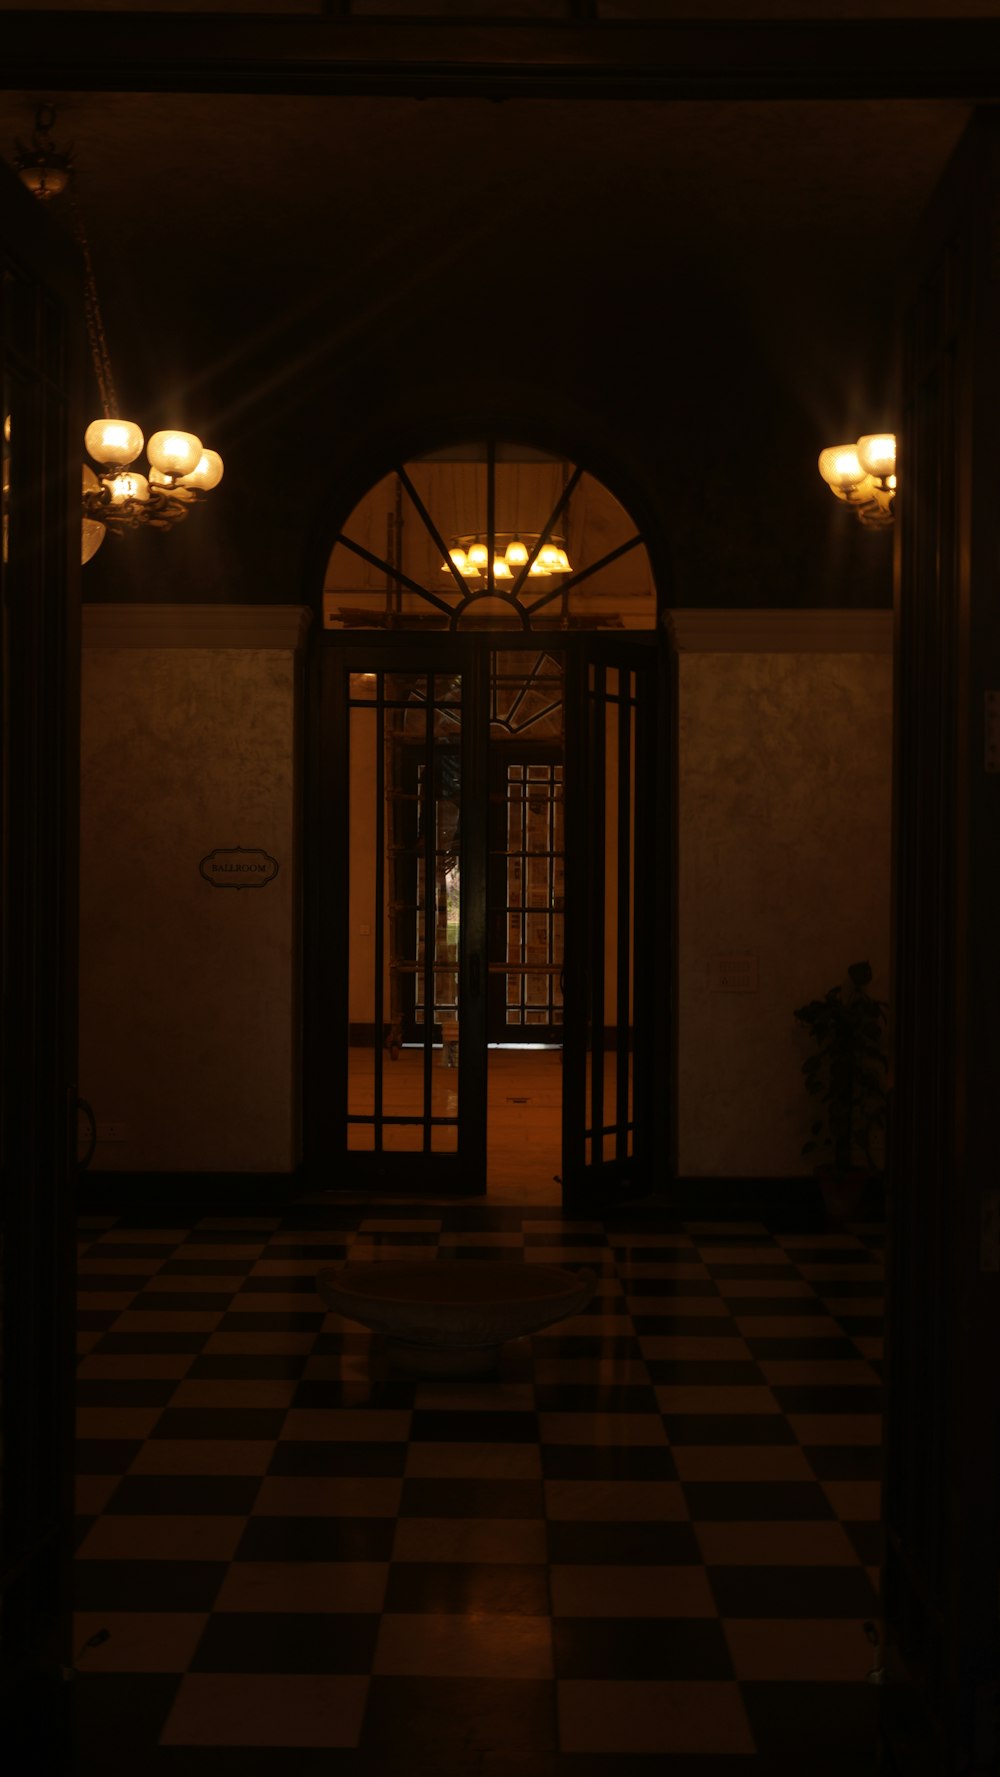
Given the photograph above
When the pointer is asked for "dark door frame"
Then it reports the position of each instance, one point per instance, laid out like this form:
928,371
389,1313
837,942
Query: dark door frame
41,302
327,940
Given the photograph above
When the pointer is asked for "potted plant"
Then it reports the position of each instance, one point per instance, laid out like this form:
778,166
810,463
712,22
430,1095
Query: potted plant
847,1073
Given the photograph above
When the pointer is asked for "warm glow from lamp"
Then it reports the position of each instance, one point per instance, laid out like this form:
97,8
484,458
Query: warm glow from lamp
113,442
501,569
840,467
539,570
877,453
459,560
207,472
564,567
127,486
549,555
479,555
174,453
516,553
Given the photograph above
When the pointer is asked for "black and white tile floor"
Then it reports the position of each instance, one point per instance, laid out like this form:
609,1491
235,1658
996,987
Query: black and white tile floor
649,1545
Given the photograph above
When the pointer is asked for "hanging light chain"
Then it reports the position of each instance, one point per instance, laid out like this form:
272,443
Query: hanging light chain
99,352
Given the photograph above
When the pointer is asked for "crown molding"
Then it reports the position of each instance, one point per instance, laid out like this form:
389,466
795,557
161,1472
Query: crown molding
280,627
781,632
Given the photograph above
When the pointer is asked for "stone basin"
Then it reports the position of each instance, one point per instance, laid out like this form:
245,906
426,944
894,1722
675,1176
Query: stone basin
450,1317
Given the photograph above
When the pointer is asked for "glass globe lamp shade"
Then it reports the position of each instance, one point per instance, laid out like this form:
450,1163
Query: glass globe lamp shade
92,532
207,472
127,486
877,454
840,467
516,553
564,567
92,535
174,453
44,178
478,557
113,443
539,570
459,560
549,554
501,569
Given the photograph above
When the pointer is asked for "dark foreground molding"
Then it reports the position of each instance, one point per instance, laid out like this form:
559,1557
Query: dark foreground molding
945,58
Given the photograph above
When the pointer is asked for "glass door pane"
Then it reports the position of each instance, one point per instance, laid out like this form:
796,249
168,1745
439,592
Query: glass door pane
412,966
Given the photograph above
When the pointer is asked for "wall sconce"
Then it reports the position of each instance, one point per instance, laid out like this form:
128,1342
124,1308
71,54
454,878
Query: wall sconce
864,476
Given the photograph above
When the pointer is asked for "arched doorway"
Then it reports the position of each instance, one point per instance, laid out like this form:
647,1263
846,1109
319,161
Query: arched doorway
488,827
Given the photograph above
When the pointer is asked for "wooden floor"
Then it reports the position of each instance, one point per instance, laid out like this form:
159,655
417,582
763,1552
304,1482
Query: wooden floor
524,1129
524,1113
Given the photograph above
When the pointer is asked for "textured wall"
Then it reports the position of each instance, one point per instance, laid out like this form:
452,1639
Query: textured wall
188,994
785,786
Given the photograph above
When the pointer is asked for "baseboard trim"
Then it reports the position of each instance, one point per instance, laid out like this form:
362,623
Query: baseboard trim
201,1193
756,1199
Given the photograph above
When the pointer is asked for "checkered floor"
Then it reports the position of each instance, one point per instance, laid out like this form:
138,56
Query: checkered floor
649,1545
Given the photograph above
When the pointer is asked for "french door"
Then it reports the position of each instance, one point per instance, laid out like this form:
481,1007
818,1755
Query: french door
486,824
402,835
615,1019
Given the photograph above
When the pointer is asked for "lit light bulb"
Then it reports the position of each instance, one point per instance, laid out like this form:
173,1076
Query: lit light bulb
877,453
207,472
174,453
840,467
114,443
516,553
478,557
127,486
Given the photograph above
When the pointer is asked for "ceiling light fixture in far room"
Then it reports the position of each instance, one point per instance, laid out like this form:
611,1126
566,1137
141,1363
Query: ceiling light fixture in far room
470,557
118,497
864,475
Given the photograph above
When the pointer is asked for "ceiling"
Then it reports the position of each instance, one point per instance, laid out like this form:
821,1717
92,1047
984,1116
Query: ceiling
730,257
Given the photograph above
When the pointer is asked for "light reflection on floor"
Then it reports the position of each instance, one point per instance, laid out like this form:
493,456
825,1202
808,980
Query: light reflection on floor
524,1112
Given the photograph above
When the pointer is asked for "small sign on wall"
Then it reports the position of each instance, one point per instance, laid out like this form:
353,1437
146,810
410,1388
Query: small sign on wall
732,972
239,867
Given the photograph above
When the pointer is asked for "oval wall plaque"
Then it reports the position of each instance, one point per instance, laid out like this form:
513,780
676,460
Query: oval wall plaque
238,866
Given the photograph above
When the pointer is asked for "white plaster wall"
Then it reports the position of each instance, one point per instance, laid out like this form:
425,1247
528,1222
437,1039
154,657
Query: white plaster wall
188,992
785,791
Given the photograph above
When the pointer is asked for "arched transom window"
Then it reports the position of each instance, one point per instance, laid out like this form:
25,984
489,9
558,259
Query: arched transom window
498,536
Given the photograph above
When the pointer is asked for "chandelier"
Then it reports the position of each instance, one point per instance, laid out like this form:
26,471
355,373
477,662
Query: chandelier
864,476
117,496
470,557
